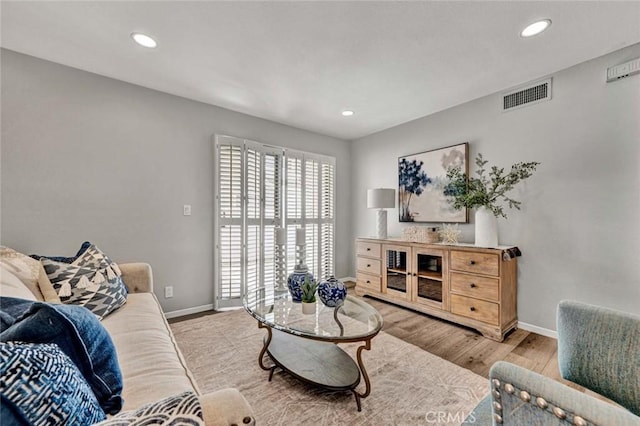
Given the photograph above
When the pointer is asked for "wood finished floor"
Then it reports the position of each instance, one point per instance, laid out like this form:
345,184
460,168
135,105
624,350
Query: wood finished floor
466,347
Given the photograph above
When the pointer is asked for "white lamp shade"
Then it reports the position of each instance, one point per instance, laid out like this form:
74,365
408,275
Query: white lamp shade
381,198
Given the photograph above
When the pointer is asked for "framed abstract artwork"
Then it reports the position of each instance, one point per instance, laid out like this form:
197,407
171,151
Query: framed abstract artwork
422,181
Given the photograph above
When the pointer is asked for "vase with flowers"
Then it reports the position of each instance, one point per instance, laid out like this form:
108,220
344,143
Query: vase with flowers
486,193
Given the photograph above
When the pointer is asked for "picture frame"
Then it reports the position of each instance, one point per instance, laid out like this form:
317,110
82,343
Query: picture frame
421,184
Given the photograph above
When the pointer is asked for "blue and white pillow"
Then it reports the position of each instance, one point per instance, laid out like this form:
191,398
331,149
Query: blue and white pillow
92,280
78,333
63,259
40,385
182,409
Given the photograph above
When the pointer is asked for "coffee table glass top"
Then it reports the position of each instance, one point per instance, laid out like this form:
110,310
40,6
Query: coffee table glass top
354,319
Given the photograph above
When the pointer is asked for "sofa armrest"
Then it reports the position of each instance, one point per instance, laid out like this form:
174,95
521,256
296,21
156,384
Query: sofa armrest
226,407
520,396
137,277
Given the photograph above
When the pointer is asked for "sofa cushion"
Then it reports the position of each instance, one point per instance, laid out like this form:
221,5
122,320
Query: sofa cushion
63,259
78,334
182,409
150,360
40,385
92,281
12,286
30,272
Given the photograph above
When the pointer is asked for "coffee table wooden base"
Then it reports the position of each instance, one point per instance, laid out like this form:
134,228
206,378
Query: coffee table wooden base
316,362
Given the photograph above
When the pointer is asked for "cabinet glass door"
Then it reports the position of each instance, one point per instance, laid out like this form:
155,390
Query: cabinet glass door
397,270
428,278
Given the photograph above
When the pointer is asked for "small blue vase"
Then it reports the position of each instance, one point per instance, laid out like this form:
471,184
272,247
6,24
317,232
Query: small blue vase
295,281
332,292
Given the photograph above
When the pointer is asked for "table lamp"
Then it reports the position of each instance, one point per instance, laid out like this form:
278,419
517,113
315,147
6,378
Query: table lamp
381,199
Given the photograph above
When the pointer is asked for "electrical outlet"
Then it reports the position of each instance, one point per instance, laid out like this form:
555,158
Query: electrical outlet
186,210
168,292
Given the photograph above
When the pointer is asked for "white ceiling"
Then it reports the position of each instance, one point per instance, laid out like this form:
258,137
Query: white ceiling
302,63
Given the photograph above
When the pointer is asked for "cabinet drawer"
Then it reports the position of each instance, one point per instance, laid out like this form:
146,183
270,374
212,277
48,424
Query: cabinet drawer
474,286
481,263
365,248
477,309
367,281
370,266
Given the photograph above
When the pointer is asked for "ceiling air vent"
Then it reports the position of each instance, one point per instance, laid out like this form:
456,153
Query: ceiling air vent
525,96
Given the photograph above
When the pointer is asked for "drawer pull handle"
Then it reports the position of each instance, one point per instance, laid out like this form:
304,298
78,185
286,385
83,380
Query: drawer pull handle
472,285
472,309
368,248
368,266
473,262
368,282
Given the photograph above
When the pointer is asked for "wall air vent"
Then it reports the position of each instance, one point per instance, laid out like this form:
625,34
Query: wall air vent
623,70
524,96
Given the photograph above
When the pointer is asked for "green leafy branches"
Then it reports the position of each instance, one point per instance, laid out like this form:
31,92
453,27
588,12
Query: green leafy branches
309,288
489,187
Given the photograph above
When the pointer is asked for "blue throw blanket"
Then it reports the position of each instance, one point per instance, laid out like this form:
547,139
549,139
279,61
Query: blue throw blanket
79,335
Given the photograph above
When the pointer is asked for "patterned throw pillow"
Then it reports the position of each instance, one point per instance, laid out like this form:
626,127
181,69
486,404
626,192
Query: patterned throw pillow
78,333
182,409
92,281
40,385
63,259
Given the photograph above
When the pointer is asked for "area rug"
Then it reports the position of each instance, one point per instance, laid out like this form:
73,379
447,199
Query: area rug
409,386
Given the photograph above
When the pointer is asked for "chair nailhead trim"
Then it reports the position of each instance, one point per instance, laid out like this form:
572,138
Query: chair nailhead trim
526,397
541,403
579,421
559,412
246,420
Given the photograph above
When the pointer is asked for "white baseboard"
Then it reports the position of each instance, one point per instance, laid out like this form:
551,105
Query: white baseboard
188,311
539,330
347,279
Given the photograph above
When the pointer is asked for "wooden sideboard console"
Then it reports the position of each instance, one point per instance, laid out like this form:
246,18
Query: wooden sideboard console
464,284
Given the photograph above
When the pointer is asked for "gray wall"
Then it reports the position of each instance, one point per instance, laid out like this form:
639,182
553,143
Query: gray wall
579,227
86,157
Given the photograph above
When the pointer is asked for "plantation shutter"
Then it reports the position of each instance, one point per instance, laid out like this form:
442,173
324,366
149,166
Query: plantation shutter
258,189
294,186
230,218
310,204
327,219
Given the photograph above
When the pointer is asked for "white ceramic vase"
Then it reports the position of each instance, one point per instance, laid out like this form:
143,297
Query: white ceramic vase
486,228
308,308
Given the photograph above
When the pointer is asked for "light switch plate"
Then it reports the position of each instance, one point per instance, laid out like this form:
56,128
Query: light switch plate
186,210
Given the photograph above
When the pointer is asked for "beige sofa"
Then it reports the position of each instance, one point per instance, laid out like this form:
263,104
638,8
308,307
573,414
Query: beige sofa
152,365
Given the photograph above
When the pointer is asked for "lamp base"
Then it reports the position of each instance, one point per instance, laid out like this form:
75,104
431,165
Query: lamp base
381,224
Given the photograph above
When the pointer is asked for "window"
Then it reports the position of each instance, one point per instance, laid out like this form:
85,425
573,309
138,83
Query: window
259,188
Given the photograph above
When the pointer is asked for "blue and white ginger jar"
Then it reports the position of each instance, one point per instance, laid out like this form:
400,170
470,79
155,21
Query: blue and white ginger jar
332,292
295,281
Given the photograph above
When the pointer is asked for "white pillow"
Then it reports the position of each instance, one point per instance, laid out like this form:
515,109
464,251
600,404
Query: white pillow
12,286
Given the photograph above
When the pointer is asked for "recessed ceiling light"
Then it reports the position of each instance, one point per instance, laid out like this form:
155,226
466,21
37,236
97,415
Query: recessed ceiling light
144,40
536,28
347,113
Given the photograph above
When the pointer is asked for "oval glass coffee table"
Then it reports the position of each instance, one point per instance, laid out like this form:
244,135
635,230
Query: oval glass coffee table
305,346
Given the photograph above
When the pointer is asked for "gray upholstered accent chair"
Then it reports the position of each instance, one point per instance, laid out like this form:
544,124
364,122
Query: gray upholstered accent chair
599,349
